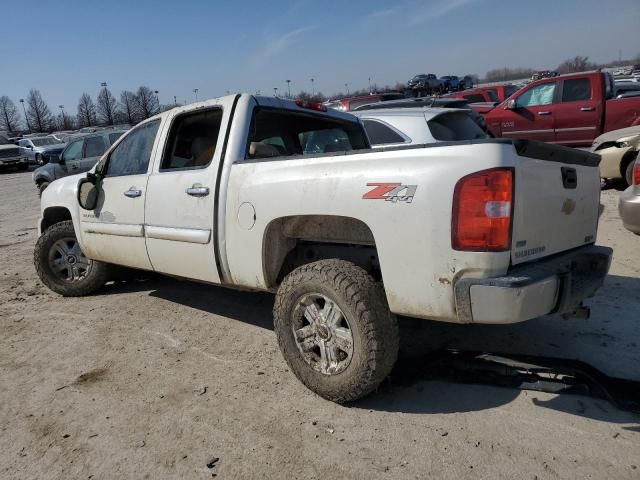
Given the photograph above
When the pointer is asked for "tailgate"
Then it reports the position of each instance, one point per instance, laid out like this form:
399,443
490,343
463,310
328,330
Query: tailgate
556,200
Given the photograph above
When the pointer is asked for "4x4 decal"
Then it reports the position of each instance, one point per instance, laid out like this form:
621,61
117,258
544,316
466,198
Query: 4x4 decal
391,192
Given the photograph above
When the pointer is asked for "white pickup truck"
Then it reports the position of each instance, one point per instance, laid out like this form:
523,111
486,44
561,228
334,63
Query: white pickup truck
266,194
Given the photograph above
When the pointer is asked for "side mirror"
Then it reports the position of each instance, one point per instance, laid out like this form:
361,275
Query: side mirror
88,193
511,105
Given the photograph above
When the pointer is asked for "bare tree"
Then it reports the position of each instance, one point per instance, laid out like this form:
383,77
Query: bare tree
576,64
146,102
106,107
9,116
128,107
64,121
506,74
38,113
86,111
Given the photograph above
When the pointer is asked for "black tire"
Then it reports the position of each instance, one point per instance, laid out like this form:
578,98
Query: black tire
42,187
39,159
362,304
628,173
94,277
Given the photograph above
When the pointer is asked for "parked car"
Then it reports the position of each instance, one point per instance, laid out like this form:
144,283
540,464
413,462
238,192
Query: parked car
389,127
34,148
543,74
433,102
452,83
79,156
350,103
618,152
346,237
622,88
569,110
629,203
11,156
61,136
425,84
467,82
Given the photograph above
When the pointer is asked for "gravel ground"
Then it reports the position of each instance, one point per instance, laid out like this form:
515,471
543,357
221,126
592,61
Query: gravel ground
158,378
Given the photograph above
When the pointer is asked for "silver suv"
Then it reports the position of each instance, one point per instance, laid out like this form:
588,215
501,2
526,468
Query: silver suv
79,155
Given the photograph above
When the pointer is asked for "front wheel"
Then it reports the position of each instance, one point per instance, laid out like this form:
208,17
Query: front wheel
39,159
628,174
42,187
63,267
335,329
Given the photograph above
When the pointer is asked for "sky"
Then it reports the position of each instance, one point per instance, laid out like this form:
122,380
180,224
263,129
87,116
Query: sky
66,48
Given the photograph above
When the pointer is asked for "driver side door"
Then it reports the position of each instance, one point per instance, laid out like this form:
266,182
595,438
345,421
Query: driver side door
71,157
114,231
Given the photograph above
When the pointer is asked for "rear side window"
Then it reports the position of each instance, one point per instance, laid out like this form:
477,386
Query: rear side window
192,140
476,97
277,133
493,95
577,89
455,126
381,134
94,147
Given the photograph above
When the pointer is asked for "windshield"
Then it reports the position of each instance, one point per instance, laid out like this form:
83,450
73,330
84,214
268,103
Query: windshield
41,142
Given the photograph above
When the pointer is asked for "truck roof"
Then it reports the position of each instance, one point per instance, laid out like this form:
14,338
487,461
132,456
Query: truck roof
273,102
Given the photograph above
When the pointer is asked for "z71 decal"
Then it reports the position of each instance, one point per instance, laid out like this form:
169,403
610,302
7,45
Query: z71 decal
391,192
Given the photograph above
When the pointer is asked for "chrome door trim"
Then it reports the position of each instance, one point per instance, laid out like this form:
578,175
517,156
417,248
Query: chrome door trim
188,235
117,229
518,132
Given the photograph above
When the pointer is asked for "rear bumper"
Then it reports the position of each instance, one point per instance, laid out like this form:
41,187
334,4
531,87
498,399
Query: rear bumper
629,208
557,284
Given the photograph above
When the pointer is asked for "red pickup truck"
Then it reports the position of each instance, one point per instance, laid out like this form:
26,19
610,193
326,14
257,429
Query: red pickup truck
569,109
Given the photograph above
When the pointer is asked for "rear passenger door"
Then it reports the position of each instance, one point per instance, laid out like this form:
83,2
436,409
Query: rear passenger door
72,156
180,210
579,114
94,148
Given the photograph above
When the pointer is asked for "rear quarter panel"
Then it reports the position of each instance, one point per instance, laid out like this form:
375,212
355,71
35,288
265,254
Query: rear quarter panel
413,239
621,113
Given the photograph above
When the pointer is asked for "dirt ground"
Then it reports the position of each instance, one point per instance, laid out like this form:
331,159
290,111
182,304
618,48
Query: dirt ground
158,378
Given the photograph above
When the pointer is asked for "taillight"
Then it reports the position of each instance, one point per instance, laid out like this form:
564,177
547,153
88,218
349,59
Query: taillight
311,105
482,211
636,173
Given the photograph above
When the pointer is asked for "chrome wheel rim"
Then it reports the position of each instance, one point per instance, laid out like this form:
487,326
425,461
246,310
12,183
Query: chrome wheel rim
322,334
67,262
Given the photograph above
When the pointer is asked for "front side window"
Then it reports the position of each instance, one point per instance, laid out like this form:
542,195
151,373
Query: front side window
113,137
42,142
474,98
538,95
577,89
192,140
381,134
132,155
73,151
301,133
94,147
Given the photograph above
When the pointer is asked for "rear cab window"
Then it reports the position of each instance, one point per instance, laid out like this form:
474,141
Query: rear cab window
276,133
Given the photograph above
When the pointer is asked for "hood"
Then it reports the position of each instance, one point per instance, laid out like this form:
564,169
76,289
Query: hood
615,135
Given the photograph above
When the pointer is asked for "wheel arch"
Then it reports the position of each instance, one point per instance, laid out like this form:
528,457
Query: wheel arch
53,215
295,240
626,159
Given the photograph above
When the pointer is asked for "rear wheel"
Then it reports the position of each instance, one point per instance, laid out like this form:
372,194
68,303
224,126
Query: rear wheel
63,267
39,159
335,329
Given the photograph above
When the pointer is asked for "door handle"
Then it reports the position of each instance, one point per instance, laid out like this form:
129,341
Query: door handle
587,109
133,193
197,191
74,167
544,113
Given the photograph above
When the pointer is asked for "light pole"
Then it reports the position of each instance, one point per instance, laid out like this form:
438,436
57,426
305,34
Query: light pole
64,120
370,91
195,90
275,91
25,114
346,85
157,98
313,88
289,87
175,102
